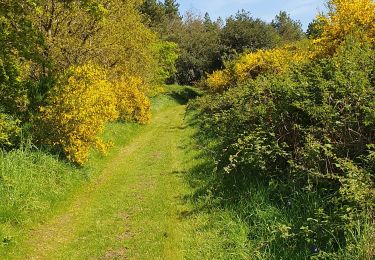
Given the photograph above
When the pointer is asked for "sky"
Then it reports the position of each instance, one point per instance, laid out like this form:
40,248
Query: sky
303,10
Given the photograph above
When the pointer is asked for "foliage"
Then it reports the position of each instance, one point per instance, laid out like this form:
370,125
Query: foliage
9,130
43,43
219,80
132,103
205,45
305,130
315,28
344,18
267,61
310,132
288,29
167,54
153,12
13,91
242,32
126,47
250,65
79,106
347,17
163,17
111,35
13,86
19,49
199,43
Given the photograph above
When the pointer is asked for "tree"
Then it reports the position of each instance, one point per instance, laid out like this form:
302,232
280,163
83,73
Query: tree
289,29
315,29
41,40
207,19
171,9
163,18
199,42
20,51
153,12
242,32
108,61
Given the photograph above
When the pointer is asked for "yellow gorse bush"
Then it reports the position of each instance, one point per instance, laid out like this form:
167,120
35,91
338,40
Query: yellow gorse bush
80,105
250,65
347,17
132,103
266,61
218,80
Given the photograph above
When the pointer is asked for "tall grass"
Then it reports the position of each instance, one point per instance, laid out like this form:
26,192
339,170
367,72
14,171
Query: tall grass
246,219
34,184
31,184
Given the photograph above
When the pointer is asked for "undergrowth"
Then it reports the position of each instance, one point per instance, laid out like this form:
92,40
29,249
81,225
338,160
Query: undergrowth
242,217
293,157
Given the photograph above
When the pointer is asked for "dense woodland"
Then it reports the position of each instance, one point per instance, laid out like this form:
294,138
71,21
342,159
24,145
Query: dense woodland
282,110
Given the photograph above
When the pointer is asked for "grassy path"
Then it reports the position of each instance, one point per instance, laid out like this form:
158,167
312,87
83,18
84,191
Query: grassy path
132,210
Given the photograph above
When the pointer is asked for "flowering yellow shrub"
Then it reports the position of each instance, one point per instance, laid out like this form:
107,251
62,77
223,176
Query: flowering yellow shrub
80,105
263,61
267,61
132,103
218,80
347,17
344,18
250,65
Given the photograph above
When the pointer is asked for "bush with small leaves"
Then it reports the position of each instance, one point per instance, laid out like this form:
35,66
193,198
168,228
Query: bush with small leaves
250,65
132,103
356,17
79,106
310,131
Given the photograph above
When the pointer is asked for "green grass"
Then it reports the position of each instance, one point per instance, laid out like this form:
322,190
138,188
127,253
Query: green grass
34,185
31,183
155,196
131,203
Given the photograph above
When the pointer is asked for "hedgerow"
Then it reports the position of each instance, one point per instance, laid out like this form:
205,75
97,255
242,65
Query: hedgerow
70,75
308,130
250,65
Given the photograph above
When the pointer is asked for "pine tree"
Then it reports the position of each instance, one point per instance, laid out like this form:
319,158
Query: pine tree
289,29
171,9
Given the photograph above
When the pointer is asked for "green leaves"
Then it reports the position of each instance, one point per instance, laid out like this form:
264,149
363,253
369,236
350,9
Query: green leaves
9,130
95,8
310,132
166,54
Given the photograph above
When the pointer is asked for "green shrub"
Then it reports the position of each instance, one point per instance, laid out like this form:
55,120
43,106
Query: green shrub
9,130
309,133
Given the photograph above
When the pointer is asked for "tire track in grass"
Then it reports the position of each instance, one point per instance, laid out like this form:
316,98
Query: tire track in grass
129,211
